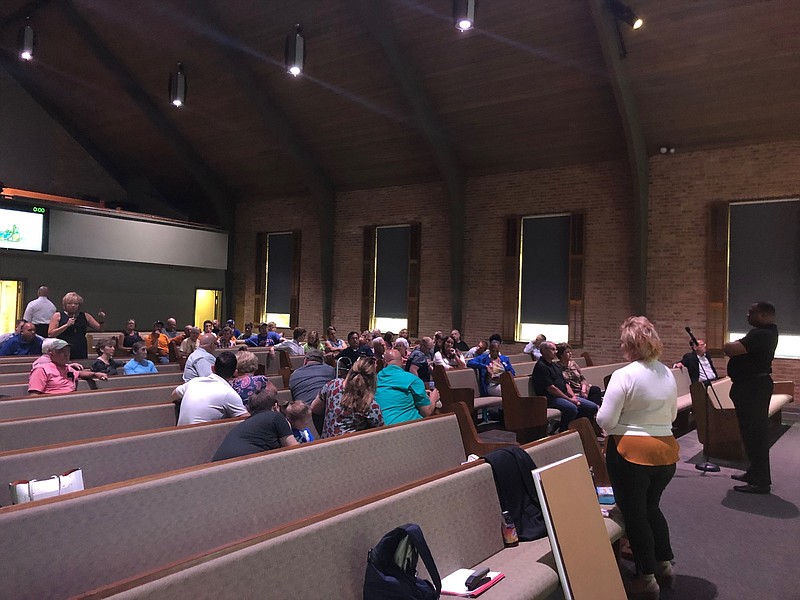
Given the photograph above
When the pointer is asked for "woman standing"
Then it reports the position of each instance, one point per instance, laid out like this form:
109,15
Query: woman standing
71,325
349,404
639,406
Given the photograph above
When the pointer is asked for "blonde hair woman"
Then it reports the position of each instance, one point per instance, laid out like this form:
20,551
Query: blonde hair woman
349,404
71,325
640,403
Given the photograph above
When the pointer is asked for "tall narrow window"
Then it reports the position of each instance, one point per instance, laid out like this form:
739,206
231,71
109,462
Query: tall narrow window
543,278
391,278
764,254
280,278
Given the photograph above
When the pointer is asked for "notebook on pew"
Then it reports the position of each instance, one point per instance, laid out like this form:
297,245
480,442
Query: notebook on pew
455,583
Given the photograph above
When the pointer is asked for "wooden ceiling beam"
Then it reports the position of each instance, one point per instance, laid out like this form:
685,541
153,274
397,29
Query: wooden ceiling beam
376,16
611,44
280,126
22,13
218,197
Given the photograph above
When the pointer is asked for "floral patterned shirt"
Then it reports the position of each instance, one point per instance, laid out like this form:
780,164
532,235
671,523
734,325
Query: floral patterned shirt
340,420
248,385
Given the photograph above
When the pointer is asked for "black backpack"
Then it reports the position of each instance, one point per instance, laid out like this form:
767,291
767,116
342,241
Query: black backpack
392,567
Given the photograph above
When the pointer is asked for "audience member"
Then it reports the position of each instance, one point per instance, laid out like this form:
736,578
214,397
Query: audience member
574,377
482,347
158,344
490,365
349,404
698,364
190,344
403,333
389,338
178,339
71,324
171,328
131,335
208,326
211,397
17,330
272,332
419,361
246,383
438,338
247,333
307,381
640,404
548,380
215,329
299,416
52,373
226,339
24,343
400,394
235,332
333,344
40,311
313,342
355,349
449,357
265,429
201,361
105,362
378,347
139,364
401,345
262,338
460,344
533,347
294,346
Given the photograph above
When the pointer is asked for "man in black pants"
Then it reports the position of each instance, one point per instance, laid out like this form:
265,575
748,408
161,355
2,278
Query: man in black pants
749,368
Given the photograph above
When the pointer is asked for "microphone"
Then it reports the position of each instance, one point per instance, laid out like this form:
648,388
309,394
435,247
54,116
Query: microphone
691,335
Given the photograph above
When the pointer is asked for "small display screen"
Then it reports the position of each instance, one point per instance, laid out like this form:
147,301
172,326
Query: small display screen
23,228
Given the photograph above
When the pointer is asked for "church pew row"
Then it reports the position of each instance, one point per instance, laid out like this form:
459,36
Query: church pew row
22,368
458,512
19,390
12,378
64,546
116,458
16,434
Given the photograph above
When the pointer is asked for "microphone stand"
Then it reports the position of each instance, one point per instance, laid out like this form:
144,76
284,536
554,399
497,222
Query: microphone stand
706,466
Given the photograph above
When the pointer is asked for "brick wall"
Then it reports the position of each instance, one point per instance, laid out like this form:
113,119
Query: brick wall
682,187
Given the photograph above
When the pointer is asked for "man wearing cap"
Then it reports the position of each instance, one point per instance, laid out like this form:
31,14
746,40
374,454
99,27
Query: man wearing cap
232,324
210,397
306,382
201,362
158,344
52,373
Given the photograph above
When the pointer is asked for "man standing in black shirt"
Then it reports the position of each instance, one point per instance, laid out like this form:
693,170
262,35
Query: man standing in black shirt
749,368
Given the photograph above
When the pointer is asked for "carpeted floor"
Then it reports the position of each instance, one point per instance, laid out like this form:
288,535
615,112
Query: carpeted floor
728,545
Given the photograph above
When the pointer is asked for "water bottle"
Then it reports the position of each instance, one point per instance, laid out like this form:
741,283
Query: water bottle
510,537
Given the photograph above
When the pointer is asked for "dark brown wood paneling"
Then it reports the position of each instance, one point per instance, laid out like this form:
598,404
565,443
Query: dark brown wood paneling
511,278
717,276
368,277
414,254
294,302
260,277
576,279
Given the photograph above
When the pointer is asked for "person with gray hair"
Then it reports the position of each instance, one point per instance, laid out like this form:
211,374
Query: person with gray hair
190,343
247,383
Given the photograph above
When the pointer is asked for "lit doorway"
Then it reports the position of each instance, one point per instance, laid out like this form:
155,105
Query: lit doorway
207,306
11,294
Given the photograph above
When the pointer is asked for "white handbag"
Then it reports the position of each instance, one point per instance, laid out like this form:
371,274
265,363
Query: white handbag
37,489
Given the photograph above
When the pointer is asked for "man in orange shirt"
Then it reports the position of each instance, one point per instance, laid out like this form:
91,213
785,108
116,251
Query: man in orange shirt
158,344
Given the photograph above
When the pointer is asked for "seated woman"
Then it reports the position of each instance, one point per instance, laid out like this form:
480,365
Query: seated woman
246,384
449,357
265,429
349,404
574,377
131,335
226,339
313,342
333,345
139,365
490,365
105,362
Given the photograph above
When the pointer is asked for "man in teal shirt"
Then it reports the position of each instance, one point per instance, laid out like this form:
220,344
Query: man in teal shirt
400,394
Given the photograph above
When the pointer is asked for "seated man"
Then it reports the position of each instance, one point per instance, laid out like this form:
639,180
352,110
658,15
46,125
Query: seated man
400,394
355,348
210,397
235,332
264,337
420,360
307,381
171,329
294,346
139,365
697,363
190,342
482,347
265,429
548,381
201,361
532,347
17,328
490,365
24,343
52,373
158,344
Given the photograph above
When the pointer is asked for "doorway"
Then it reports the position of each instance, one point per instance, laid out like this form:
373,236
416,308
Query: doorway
207,306
11,295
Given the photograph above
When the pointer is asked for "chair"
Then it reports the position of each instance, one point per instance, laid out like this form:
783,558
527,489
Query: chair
526,416
469,434
594,454
449,395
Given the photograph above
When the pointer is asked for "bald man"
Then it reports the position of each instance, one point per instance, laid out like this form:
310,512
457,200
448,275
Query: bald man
201,362
40,311
400,394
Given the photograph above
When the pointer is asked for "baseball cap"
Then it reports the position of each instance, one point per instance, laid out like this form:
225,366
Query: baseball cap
315,355
53,344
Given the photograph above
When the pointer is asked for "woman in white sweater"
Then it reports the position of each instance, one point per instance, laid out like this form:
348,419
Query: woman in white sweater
639,406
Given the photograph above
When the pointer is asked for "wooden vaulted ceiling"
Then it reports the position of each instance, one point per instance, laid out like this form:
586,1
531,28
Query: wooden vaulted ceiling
395,102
